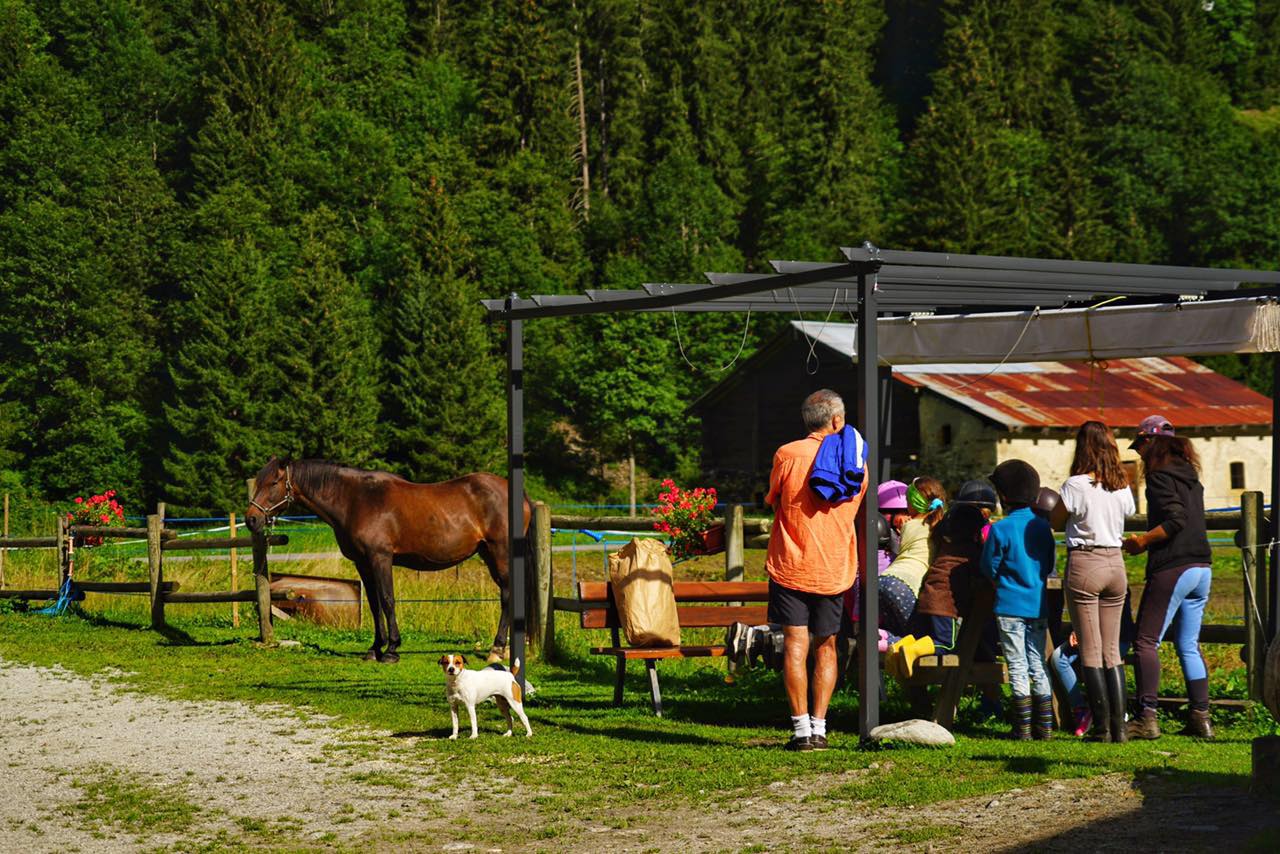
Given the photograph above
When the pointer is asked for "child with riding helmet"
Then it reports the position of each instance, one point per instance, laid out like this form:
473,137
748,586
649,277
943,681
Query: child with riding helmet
1017,558
900,583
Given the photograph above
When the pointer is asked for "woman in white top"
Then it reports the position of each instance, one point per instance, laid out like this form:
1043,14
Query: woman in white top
1095,501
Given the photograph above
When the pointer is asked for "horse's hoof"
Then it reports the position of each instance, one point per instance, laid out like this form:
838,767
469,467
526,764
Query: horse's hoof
389,658
373,655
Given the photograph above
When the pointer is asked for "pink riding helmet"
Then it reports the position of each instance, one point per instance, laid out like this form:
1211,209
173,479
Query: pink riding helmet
892,495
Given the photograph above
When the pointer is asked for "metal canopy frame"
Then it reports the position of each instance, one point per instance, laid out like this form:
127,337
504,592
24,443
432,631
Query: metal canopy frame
869,282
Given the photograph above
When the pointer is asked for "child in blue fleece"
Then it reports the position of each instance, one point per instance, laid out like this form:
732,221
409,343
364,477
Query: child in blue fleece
1017,558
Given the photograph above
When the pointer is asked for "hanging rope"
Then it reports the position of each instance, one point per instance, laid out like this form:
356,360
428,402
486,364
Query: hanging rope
675,322
1035,312
813,342
1096,364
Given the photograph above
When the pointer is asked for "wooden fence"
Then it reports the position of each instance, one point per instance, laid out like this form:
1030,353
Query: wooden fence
160,541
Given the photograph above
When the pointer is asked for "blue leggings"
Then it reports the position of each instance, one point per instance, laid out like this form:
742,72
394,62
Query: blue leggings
1173,598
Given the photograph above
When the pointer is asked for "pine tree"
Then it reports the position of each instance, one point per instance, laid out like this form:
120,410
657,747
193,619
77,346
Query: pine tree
77,276
444,404
222,416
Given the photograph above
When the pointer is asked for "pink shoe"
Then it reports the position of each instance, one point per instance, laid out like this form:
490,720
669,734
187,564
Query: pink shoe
1084,719
883,645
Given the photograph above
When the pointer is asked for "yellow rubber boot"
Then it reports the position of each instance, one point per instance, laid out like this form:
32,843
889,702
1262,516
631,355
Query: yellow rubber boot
912,651
893,659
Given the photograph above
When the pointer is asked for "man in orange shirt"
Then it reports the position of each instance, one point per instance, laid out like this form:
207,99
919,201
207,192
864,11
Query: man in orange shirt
812,561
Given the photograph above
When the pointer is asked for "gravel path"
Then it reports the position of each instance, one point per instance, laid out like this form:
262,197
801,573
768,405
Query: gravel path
242,767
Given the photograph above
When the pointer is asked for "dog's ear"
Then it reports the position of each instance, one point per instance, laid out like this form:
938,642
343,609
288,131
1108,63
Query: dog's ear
444,661
462,661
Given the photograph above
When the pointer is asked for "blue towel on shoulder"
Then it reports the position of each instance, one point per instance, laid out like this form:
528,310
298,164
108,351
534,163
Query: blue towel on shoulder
840,468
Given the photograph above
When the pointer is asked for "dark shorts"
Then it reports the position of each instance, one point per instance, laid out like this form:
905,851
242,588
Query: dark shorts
821,614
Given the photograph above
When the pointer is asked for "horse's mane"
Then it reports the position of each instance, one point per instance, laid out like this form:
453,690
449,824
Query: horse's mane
318,476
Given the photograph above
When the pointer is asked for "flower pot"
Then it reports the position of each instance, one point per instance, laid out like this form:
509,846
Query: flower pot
712,539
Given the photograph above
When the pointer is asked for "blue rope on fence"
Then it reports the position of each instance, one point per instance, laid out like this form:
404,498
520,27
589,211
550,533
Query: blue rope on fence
67,594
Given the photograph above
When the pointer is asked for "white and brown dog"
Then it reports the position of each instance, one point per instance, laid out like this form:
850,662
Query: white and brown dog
471,687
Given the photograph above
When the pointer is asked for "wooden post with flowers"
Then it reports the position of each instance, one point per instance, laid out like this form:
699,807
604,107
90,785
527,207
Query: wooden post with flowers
63,549
155,562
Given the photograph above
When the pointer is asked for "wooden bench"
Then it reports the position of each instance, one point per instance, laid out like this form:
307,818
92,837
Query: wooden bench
700,604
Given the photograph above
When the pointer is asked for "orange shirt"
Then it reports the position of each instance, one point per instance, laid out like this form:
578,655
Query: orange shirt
812,546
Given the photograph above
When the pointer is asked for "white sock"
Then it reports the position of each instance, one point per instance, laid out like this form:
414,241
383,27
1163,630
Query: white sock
800,725
818,726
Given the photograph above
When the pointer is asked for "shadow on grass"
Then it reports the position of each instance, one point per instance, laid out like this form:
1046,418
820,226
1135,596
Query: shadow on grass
1179,810
173,636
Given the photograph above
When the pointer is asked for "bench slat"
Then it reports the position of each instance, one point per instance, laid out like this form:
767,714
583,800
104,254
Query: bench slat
690,591
633,653
691,616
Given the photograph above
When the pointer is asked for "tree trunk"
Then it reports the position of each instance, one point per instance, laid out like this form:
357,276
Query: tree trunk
631,471
581,102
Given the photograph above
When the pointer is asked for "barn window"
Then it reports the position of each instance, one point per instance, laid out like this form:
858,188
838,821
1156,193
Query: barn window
946,434
1237,475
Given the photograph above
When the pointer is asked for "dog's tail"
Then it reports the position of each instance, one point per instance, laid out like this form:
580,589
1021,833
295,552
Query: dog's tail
515,667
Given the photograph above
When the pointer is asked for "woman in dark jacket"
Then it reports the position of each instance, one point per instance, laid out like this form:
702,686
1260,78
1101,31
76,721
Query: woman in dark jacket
1179,574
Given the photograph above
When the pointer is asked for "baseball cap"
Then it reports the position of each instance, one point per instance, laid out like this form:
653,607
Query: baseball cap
891,495
1152,425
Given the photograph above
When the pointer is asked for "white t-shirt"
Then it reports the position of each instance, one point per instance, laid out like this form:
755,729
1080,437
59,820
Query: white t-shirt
1095,516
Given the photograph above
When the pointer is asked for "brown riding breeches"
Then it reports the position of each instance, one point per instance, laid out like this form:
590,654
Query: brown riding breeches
1096,585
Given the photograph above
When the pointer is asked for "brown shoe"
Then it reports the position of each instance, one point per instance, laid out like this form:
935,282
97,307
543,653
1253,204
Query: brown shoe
1199,725
1144,726
818,742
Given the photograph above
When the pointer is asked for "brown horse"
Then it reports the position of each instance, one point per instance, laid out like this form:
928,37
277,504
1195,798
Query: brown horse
380,520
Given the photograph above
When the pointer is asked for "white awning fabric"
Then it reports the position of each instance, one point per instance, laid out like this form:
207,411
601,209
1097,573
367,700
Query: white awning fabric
1212,327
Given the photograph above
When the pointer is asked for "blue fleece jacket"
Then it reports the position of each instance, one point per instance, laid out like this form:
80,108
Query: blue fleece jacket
1018,557
839,469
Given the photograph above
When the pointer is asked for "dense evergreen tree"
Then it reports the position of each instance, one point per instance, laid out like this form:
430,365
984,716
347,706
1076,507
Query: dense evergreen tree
232,229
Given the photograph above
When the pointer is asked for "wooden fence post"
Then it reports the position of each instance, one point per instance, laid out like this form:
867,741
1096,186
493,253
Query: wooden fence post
155,525
262,581
733,543
234,571
544,615
62,551
6,534
1254,559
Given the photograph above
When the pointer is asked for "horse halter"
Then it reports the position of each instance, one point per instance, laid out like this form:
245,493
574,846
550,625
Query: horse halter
269,512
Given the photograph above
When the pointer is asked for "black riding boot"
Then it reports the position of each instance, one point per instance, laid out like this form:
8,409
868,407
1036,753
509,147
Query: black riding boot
1118,701
1095,688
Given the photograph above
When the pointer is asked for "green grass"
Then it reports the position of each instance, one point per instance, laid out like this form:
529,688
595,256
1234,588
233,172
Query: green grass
587,757
110,798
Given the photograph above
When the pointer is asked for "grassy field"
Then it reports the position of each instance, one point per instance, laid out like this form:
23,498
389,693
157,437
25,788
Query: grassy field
587,758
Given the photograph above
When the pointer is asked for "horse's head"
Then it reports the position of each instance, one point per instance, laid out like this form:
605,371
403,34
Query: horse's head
273,490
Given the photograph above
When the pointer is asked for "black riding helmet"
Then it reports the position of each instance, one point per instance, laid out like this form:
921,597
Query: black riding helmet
977,493
883,532
1018,483
1046,501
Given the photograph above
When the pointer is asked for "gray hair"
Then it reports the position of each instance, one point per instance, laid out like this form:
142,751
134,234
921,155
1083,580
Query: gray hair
819,408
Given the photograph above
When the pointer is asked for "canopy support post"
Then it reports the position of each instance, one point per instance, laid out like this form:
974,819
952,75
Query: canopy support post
515,490
868,560
1273,530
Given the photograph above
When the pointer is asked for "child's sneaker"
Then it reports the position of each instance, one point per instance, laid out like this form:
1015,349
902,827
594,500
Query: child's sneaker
1083,720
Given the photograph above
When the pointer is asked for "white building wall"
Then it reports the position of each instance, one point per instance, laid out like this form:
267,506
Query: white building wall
977,447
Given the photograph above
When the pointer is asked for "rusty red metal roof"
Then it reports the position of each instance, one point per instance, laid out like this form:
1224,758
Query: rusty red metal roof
1120,392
